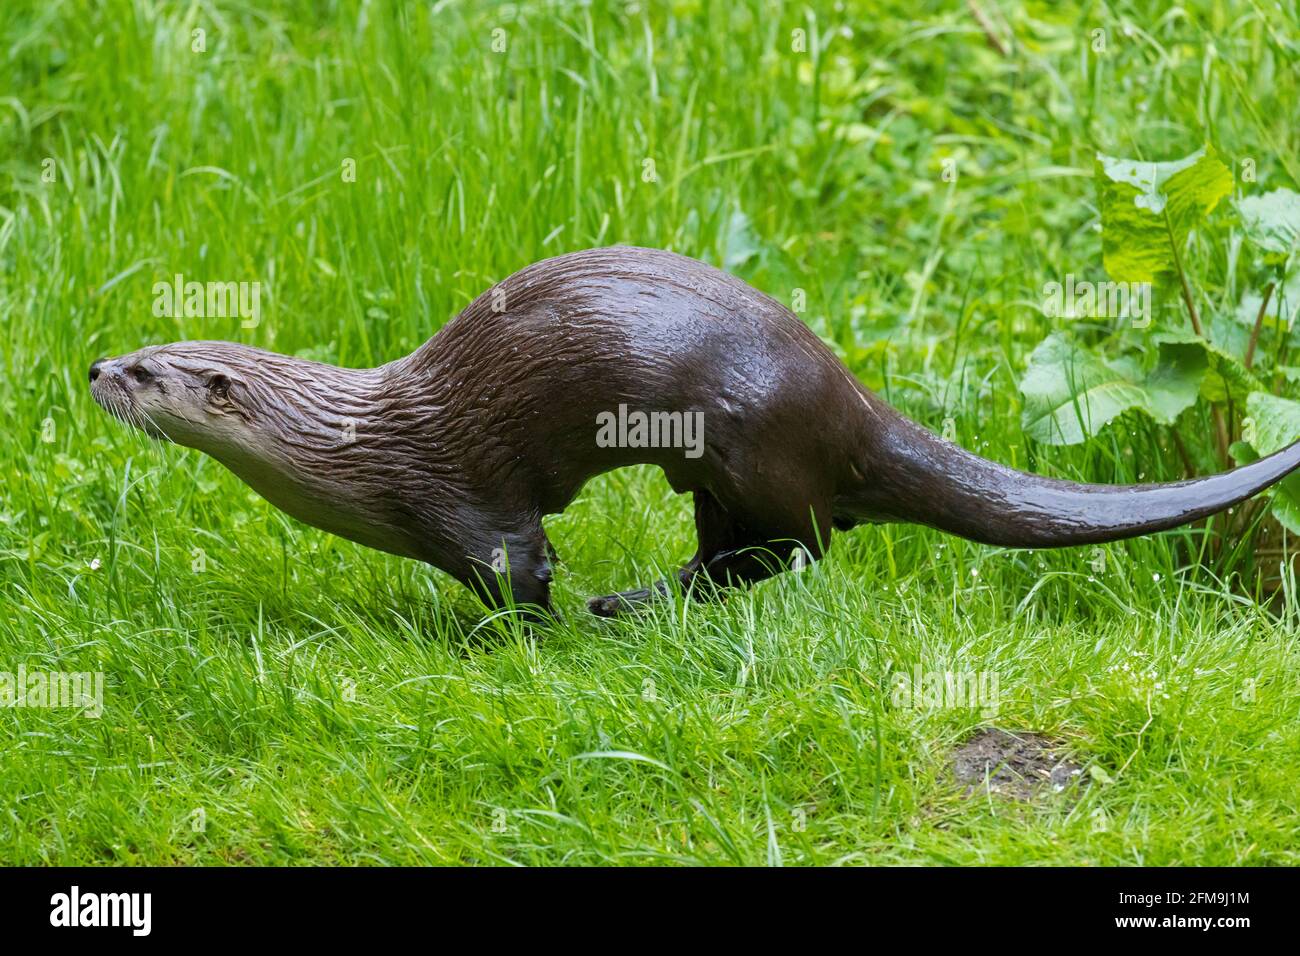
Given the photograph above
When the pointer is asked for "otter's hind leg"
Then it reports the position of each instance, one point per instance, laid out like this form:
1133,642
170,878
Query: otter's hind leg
714,531
734,550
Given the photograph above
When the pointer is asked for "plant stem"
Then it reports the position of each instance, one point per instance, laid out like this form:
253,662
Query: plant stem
1259,322
1188,467
1183,285
984,24
1220,427
1220,434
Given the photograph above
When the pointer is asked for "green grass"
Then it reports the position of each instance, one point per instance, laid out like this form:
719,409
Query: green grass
309,701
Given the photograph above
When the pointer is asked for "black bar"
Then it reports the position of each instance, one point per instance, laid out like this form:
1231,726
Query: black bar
332,906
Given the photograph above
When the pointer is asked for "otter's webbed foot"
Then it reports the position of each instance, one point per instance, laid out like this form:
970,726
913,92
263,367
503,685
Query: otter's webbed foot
694,585
613,604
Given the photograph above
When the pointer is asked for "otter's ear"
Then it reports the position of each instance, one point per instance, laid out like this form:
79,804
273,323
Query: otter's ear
219,388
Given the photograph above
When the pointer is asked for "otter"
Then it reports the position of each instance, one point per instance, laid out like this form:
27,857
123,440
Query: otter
453,454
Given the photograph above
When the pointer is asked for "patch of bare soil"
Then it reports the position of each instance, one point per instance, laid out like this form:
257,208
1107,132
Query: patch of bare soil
1021,766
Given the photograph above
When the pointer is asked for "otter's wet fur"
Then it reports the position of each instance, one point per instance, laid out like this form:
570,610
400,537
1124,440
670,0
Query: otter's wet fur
453,454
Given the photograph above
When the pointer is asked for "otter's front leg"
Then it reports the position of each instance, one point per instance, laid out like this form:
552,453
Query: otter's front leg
512,569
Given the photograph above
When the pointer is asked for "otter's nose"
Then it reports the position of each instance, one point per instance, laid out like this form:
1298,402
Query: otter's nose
95,367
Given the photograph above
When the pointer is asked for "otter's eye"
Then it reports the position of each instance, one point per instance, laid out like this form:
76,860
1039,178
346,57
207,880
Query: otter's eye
141,374
219,387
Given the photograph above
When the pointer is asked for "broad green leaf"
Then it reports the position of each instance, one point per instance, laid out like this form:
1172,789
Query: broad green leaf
739,243
1273,424
1071,393
1272,221
1225,375
1174,383
1243,452
1147,209
1276,422
1226,333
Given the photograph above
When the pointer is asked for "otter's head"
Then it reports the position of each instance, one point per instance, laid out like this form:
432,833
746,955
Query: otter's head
298,432
200,394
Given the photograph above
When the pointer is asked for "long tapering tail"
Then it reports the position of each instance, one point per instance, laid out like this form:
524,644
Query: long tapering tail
921,478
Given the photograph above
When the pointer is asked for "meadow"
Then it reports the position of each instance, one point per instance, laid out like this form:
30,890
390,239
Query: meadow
907,176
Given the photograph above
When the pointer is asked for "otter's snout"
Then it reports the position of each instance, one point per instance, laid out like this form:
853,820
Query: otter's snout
110,379
127,390
123,372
